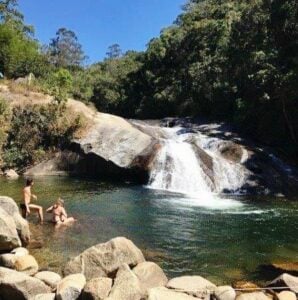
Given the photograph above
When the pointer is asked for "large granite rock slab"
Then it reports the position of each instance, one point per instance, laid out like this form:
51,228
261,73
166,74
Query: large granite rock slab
104,259
116,140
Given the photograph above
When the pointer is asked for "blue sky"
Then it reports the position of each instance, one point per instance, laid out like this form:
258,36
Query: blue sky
101,23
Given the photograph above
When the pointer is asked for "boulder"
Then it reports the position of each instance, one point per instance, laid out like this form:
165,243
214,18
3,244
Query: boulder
9,238
193,285
104,259
70,287
231,151
50,296
115,139
26,264
97,289
19,286
20,251
126,285
8,260
11,174
287,281
22,226
225,293
150,276
162,293
253,296
49,278
286,295
63,163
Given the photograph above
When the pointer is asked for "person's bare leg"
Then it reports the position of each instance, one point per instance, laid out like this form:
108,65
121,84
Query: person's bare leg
37,209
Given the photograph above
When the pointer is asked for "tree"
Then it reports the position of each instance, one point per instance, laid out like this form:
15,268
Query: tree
61,85
114,51
9,14
19,53
65,51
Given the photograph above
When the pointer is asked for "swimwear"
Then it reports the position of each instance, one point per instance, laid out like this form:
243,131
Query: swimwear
23,206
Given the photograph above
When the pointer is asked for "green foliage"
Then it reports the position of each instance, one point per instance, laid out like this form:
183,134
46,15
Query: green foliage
111,79
35,130
61,83
231,60
19,51
225,60
19,54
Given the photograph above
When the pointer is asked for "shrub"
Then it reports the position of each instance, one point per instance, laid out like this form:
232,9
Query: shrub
36,130
61,84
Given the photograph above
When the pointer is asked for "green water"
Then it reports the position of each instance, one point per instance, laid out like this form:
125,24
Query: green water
224,241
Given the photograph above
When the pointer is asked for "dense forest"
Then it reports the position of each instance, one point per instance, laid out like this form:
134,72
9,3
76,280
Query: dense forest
224,60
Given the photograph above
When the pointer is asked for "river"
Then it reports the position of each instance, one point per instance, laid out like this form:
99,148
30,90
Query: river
225,240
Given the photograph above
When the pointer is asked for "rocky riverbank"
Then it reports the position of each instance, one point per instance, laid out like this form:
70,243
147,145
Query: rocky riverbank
115,270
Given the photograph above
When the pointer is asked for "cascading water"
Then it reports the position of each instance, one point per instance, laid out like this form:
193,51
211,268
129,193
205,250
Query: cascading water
178,168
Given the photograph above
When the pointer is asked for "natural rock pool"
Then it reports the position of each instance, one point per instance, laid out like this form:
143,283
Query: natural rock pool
224,240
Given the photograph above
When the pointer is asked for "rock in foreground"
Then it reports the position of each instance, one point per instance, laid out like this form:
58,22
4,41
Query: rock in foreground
150,276
97,289
21,225
193,285
18,286
126,285
162,293
286,281
9,238
104,259
70,287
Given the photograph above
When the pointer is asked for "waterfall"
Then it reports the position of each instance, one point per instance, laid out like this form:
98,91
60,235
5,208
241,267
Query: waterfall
178,168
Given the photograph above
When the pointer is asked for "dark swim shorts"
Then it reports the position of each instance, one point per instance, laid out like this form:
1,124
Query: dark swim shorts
22,206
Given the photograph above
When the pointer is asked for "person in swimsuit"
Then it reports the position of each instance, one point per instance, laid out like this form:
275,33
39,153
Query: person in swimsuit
26,206
59,215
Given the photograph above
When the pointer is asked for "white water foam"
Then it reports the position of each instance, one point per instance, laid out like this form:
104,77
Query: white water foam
177,168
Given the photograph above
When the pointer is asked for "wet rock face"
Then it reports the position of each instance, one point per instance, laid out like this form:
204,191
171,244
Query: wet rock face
231,151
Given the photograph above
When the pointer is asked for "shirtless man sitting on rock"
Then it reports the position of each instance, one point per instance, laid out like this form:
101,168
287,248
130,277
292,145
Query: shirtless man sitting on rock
27,206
